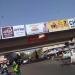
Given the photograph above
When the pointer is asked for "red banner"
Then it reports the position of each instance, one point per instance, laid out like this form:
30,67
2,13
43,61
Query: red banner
37,38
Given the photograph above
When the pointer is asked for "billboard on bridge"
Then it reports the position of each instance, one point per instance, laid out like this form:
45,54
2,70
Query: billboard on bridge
37,28
58,25
13,31
71,23
19,30
7,32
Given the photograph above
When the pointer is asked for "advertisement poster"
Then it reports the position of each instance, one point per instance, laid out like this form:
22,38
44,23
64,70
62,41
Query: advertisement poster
37,28
58,25
71,23
19,30
37,38
7,32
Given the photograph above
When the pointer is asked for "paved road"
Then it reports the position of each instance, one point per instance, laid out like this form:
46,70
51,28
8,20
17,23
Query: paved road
47,68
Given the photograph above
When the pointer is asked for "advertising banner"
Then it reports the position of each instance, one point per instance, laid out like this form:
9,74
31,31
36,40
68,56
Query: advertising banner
19,30
37,28
0,33
37,38
7,32
71,23
58,25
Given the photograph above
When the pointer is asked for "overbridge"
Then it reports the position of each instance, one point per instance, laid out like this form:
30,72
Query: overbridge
14,44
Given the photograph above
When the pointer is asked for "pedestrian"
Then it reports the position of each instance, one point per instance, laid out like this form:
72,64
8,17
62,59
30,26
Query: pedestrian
36,55
16,68
4,69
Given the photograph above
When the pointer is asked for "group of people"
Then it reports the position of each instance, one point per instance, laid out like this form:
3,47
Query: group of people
4,69
15,68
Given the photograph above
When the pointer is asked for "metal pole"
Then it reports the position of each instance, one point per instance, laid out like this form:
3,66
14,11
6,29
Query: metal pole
1,20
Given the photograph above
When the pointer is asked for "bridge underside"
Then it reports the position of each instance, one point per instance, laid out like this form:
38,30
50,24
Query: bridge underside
25,42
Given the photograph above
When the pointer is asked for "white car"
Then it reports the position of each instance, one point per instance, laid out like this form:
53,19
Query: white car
52,52
66,54
73,56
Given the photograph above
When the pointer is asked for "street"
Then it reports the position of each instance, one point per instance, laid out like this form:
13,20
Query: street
47,68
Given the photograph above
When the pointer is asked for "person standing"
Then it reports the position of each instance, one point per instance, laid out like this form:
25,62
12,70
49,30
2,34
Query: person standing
4,69
16,68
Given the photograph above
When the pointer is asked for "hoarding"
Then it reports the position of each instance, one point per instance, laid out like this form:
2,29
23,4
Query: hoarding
37,28
36,39
0,33
19,30
7,32
71,23
58,25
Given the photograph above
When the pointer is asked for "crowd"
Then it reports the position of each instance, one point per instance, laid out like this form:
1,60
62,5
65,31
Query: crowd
15,68
16,64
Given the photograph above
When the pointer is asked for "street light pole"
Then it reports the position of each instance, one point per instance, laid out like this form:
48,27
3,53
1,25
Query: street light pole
1,20
1,17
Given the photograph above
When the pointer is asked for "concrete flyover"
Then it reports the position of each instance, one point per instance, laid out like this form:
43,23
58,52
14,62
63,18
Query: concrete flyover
27,42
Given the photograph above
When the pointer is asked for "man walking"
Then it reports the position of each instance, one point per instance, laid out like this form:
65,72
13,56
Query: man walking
16,68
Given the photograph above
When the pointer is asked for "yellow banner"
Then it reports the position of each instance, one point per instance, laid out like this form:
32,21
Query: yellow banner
58,25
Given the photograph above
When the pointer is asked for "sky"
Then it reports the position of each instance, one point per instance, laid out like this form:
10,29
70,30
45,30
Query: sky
16,12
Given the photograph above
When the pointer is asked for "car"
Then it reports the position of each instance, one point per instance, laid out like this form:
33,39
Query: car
66,54
52,52
43,57
25,61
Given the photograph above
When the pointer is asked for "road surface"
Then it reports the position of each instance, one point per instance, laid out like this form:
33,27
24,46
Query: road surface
47,68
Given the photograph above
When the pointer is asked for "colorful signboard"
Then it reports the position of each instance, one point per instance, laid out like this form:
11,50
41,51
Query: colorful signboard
58,25
37,28
7,32
71,23
19,30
